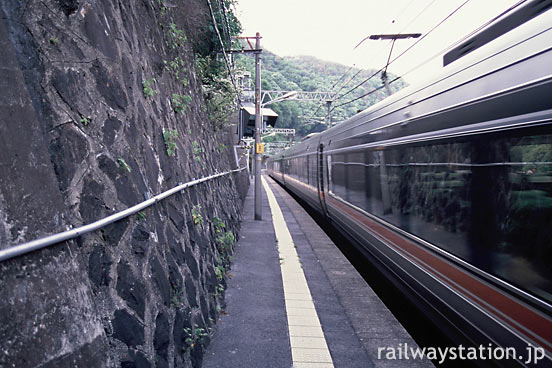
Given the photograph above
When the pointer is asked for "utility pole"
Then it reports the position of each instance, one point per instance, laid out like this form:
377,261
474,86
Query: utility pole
258,128
258,117
329,105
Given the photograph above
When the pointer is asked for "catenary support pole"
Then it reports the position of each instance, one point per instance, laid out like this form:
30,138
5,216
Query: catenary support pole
258,127
329,106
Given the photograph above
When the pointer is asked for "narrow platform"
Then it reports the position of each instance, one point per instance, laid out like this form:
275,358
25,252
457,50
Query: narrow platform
295,301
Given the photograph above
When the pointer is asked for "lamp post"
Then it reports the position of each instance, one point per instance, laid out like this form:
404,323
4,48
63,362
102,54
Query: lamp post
288,96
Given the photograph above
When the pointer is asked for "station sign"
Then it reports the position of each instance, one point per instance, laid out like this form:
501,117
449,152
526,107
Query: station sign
279,131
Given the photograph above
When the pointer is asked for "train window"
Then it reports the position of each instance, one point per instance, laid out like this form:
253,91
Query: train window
486,199
306,167
289,167
377,186
354,169
338,178
313,169
302,168
295,168
348,177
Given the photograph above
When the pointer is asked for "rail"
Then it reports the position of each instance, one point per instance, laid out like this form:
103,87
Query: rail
18,250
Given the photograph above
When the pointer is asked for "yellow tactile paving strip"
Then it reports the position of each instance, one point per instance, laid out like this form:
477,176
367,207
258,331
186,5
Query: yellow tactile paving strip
308,345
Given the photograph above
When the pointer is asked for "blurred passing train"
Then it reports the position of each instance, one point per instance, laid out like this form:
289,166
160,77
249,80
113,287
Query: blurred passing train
447,187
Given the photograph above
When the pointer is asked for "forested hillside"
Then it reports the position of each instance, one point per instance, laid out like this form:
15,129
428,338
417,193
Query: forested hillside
306,73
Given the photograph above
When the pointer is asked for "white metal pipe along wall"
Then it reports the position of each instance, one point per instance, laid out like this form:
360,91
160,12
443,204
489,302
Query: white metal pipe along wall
28,247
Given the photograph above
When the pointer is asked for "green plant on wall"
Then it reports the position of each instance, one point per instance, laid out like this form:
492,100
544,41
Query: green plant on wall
176,36
220,273
218,289
198,151
194,336
177,297
123,165
180,102
170,136
220,270
196,214
163,8
140,216
84,120
219,225
226,241
225,245
218,91
177,68
148,89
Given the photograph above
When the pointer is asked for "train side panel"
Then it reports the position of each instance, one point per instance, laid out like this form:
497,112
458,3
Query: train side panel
458,223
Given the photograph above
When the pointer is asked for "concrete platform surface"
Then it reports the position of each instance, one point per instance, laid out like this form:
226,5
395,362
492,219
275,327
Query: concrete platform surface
289,278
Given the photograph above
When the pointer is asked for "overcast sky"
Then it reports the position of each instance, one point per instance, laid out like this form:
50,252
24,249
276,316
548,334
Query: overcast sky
330,30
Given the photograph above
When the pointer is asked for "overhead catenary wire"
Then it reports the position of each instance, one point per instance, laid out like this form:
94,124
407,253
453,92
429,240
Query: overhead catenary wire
464,38
222,46
349,81
396,17
352,66
222,11
333,86
401,54
401,12
360,84
418,15
440,52
407,50
342,76
429,32
342,86
421,64
366,94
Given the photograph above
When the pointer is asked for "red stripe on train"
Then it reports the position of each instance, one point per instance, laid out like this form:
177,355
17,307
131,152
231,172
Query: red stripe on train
540,327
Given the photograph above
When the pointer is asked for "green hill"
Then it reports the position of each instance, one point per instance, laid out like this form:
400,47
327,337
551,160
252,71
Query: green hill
306,73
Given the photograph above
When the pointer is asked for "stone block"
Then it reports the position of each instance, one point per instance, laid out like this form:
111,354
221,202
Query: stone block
127,328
